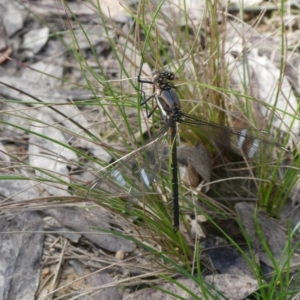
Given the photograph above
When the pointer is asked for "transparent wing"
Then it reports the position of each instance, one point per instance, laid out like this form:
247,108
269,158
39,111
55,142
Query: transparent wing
247,142
132,176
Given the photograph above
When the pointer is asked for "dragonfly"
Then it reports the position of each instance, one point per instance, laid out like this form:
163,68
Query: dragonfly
140,167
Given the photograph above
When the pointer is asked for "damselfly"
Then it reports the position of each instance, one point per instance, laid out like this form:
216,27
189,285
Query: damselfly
133,173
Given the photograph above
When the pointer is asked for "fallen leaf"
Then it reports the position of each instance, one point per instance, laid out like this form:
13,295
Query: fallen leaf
274,235
198,165
21,245
102,278
218,286
35,40
89,223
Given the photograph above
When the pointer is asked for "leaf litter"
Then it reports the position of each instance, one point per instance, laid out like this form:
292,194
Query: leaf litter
36,258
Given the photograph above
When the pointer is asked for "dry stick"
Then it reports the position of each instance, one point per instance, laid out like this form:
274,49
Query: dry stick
58,269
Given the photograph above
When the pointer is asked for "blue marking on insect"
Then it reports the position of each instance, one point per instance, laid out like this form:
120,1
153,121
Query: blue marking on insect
242,138
145,177
253,148
119,177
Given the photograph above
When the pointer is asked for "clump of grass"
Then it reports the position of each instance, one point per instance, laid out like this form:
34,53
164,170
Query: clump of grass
197,55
